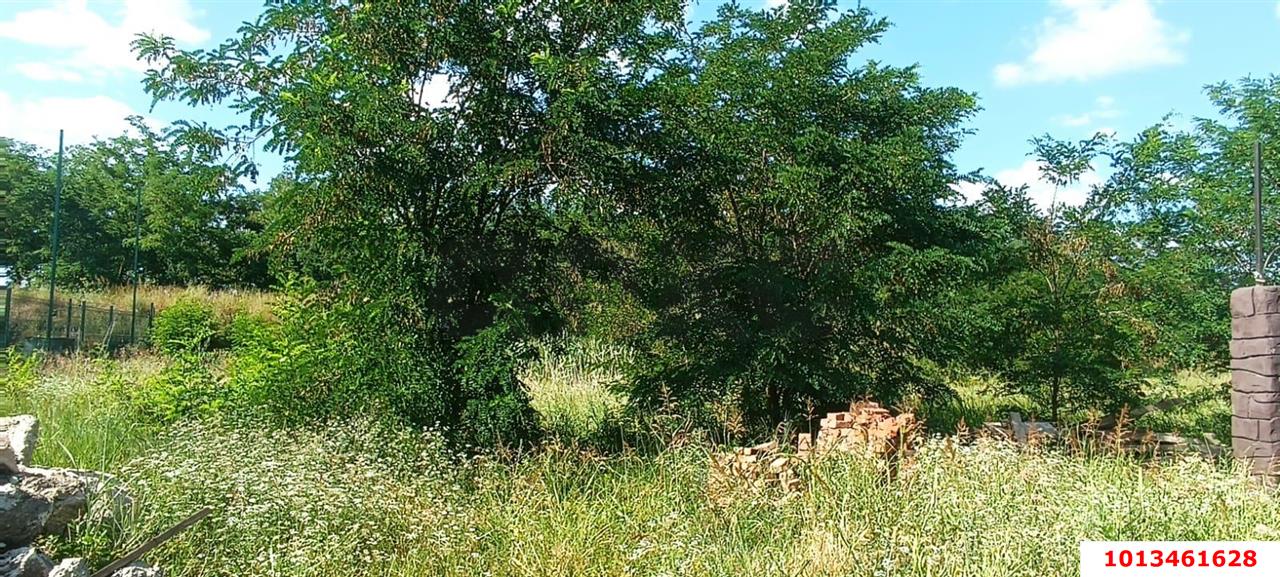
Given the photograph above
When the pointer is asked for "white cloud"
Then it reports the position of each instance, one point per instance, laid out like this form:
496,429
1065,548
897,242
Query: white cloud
1042,193
1104,108
89,44
971,191
774,3
1076,119
1088,39
1277,9
45,72
37,120
434,93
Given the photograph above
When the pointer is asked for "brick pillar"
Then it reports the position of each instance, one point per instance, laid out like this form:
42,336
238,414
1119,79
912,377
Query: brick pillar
1255,378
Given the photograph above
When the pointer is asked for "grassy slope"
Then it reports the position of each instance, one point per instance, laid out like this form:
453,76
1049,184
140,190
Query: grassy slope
363,498
225,302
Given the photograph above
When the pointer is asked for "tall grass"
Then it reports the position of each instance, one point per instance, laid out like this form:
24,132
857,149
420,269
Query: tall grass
973,401
364,497
85,422
1205,405
575,384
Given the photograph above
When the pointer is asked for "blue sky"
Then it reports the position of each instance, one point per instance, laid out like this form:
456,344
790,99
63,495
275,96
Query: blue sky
1066,67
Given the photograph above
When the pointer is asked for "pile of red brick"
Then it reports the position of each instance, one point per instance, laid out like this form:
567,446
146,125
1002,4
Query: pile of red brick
761,465
865,427
756,468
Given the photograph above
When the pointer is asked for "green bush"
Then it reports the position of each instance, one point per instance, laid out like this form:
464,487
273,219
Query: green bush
18,373
245,329
184,388
329,357
497,410
502,421
189,325
299,369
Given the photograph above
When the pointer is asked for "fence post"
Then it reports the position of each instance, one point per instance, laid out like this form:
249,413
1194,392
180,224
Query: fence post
111,328
8,306
70,315
53,248
80,337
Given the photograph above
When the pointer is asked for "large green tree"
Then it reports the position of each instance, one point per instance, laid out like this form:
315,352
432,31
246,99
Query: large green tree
1059,329
778,205
1176,218
787,213
435,146
1133,282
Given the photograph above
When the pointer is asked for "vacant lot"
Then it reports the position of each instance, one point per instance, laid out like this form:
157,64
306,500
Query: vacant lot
363,497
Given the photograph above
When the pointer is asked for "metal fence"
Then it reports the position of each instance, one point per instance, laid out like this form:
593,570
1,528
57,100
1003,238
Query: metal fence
76,325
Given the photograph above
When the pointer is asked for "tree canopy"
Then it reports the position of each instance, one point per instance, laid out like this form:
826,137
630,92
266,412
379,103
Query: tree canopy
767,216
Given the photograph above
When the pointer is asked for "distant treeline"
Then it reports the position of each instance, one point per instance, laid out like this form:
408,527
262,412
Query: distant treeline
199,224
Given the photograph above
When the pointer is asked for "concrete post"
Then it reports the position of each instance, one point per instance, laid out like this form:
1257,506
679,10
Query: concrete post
1255,378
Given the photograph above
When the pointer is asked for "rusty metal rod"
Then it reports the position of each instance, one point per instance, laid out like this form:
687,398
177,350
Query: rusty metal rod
1259,263
152,543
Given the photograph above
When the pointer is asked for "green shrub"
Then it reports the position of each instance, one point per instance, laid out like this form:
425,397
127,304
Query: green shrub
246,329
19,373
323,359
183,388
502,421
497,410
330,357
187,326
297,370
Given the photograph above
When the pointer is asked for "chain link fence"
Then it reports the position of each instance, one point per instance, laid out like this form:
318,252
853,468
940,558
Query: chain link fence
75,325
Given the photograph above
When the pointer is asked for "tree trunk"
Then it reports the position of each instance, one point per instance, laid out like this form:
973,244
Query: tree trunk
1054,391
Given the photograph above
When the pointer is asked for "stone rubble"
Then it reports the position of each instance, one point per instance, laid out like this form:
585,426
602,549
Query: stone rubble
1016,430
138,570
17,441
1114,431
24,562
70,567
36,501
